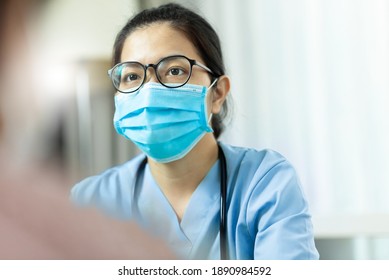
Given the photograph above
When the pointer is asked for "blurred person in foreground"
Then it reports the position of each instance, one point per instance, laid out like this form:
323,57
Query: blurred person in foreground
36,219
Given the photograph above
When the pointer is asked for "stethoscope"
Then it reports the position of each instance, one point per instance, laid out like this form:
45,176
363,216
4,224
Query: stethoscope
223,198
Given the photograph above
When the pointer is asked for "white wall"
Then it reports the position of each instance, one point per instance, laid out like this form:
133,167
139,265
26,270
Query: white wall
81,29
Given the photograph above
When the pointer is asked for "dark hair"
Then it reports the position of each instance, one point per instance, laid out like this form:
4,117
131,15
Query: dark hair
196,28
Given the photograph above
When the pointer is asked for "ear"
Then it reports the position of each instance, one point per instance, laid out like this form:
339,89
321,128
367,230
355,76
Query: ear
220,93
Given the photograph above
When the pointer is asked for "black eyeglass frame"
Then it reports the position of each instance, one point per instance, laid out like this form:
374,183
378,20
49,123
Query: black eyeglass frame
155,67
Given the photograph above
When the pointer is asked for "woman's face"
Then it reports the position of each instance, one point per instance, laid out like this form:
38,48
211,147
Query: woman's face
152,43
148,45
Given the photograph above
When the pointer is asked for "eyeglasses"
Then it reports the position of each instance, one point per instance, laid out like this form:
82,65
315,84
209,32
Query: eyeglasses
172,72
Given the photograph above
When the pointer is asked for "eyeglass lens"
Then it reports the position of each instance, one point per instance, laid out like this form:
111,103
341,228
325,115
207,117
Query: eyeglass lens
170,71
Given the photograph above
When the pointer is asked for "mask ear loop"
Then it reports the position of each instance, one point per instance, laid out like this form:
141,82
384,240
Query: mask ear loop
212,84
210,118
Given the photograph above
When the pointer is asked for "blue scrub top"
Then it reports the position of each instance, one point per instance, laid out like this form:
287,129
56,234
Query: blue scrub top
267,217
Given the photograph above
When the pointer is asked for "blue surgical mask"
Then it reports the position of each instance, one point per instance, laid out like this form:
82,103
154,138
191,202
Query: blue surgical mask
165,123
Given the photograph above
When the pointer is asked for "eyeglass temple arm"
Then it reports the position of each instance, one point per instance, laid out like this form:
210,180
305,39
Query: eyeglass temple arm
204,67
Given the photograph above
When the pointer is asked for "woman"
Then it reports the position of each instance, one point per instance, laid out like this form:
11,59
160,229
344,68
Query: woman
171,101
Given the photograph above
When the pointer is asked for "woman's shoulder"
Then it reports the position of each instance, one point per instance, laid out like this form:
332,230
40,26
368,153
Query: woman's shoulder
259,171
252,159
107,188
267,198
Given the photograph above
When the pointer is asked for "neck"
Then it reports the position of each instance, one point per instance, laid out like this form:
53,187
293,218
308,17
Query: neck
179,179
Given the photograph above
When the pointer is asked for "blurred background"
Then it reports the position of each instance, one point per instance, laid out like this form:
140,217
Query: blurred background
310,79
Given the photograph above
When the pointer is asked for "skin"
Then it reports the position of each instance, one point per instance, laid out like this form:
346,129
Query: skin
178,179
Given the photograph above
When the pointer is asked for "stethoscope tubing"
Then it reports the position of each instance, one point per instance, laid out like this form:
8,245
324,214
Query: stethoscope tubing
223,207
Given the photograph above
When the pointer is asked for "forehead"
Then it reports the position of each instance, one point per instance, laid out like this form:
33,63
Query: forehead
151,43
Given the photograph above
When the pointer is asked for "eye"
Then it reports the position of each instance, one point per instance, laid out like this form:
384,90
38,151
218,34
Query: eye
132,77
176,71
